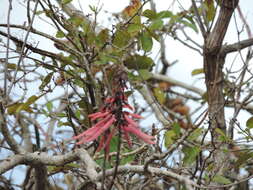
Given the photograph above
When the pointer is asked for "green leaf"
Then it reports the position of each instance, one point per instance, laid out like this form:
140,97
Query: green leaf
169,138
60,168
156,25
164,14
49,106
134,28
146,41
190,154
127,159
13,108
26,106
76,20
32,99
210,10
103,36
197,71
60,124
249,123
46,80
39,12
121,38
138,62
60,34
17,107
190,25
114,144
195,134
61,115
176,128
222,135
64,2
159,94
153,34
221,179
91,38
244,156
149,14
11,66
144,74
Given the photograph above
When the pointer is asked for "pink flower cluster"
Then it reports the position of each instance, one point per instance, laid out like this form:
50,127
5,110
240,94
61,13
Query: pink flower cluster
113,118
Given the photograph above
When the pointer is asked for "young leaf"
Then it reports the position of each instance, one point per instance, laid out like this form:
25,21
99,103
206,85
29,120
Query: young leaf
221,179
49,106
164,14
103,36
64,2
156,25
13,108
60,34
197,71
134,28
149,14
159,94
138,62
45,81
210,12
146,41
190,154
191,25
176,128
121,38
144,74
26,106
249,123
195,134
169,138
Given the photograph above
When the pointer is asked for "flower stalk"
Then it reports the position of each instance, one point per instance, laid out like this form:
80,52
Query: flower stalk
112,118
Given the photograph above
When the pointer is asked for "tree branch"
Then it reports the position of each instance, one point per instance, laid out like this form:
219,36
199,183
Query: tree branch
152,170
155,106
237,46
38,158
178,83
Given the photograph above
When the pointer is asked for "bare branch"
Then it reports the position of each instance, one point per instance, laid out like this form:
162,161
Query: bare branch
178,83
6,133
22,48
237,46
201,25
155,106
38,158
152,170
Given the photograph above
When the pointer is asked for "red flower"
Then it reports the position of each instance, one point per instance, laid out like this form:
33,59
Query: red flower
112,118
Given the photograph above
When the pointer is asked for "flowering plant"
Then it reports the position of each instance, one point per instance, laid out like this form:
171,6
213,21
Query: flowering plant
112,118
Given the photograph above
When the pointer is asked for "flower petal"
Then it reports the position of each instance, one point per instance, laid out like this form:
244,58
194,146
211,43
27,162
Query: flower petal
109,138
128,106
101,143
130,121
93,132
97,115
146,138
137,116
101,130
126,136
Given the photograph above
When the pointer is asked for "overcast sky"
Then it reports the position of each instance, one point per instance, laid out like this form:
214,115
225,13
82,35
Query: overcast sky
188,59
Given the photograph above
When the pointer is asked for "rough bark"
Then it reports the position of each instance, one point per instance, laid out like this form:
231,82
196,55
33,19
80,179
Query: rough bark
214,60
213,64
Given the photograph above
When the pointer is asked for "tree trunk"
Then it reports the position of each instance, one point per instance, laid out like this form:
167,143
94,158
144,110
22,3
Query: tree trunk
213,65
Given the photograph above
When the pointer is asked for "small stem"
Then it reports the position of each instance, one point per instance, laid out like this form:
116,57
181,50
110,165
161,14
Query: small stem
104,165
117,159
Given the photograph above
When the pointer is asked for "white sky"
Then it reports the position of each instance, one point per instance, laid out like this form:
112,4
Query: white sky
188,59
